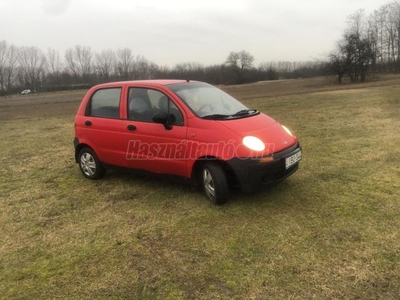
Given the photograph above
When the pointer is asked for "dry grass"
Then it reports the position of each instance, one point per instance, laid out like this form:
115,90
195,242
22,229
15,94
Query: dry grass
331,231
304,86
40,105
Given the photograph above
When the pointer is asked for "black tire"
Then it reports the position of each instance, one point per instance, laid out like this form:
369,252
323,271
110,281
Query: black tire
214,182
90,165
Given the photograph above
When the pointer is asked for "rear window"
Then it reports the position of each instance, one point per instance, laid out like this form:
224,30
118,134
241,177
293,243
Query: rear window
105,103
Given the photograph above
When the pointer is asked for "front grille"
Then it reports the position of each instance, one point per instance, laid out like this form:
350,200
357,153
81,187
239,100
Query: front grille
280,175
286,152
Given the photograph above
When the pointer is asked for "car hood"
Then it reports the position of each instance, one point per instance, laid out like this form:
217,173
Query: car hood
263,127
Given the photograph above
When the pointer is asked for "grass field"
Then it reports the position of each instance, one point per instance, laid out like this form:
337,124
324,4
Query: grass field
331,231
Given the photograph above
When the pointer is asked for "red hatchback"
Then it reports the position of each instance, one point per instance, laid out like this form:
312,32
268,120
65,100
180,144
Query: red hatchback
186,128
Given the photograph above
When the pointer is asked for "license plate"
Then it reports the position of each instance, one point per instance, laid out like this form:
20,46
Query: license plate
291,160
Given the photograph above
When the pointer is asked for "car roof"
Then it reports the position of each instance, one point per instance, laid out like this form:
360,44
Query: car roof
153,82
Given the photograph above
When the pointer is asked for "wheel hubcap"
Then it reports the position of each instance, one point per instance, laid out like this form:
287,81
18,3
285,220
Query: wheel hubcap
208,183
88,164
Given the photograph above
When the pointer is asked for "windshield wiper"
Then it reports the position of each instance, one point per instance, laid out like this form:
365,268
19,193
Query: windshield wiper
216,116
244,112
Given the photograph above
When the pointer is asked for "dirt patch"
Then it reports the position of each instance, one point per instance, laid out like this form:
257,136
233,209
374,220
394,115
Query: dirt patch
40,105
303,86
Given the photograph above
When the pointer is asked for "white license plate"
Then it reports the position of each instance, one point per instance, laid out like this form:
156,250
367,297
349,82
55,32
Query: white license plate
291,160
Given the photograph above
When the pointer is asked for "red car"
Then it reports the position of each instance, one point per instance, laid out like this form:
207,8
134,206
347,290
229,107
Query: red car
186,128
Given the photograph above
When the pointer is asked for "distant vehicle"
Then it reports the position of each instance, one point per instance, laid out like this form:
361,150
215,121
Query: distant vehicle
186,128
25,92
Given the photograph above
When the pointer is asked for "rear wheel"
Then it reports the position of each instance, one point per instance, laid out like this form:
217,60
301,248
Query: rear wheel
215,184
89,164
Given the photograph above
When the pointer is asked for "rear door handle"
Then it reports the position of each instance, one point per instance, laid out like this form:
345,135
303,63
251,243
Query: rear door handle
88,123
131,127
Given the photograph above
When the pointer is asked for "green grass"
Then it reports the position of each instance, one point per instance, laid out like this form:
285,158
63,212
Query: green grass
331,231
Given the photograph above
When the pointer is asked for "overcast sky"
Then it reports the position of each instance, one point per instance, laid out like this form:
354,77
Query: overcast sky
173,31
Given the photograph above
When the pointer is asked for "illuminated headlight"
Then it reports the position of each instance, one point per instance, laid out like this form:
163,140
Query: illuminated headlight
253,143
287,130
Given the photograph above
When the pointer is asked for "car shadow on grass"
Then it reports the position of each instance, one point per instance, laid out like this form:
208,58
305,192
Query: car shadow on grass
177,186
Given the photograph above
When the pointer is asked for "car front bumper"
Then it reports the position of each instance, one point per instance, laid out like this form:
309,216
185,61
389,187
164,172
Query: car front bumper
253,173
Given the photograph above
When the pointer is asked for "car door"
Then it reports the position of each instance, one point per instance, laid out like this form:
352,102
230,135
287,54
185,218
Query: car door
151,146
102,127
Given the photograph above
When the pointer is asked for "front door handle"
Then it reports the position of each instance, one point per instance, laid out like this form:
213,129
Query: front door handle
88,123
131,127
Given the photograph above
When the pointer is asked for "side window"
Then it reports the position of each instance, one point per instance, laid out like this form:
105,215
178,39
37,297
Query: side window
105,103
139,105
175,115
144,103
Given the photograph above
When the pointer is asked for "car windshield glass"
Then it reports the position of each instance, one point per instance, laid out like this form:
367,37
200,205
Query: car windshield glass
207,101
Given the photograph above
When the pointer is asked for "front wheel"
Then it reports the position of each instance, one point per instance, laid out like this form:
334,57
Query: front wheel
214,183
90,164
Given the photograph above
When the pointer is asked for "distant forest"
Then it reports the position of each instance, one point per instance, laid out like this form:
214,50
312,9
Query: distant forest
370,44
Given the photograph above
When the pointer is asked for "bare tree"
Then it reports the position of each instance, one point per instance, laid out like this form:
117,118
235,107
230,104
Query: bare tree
384,37
239,62
3,56
153,70
396,12
32,61
11,65
71,62
124,62
54,63
355,52
373,39
338,63
393,33
381,24
269,71
79,61
84,58
142,68
54,67
105,64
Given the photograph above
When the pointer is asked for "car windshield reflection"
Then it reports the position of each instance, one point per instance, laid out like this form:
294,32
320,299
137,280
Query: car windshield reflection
207,101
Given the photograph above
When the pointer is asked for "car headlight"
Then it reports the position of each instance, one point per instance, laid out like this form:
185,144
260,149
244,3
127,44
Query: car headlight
287,130
253,143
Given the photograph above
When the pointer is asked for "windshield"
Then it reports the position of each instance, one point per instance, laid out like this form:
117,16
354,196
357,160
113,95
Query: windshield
207,101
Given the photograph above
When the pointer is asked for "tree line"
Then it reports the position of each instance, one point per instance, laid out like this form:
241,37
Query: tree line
81,67
370,43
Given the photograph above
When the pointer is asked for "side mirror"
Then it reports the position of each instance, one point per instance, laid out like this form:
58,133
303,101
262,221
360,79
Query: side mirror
162,118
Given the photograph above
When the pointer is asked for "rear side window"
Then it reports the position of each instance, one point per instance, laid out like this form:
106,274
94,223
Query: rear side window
105,103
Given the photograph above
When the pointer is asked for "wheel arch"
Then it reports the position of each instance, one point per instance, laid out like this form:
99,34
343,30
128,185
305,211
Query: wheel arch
78,149
195,174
